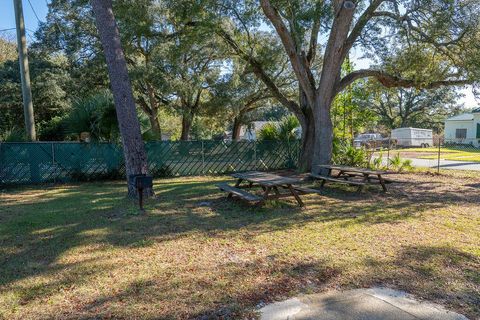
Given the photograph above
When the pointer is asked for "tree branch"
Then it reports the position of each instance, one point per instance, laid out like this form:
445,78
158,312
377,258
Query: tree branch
289,44
361,23
392,81
312,48
260,73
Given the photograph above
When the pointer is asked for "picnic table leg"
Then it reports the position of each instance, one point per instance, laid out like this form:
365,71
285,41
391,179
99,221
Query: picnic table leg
275,189
237,184
294,193
265,195
340,172
239,181
364,180
322,184
382,182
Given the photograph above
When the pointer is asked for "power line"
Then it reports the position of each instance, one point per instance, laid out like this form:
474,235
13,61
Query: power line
1,30
34,12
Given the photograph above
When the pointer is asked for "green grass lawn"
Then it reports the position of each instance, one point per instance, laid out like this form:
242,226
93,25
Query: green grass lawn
83,251
445,153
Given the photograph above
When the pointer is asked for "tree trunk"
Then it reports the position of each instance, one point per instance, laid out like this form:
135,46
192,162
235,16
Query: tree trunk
186,127
237,125
155,126
307,122
133,148
323,132
153,115
308,143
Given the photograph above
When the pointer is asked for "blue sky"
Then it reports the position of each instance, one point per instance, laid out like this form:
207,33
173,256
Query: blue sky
7,17
7,20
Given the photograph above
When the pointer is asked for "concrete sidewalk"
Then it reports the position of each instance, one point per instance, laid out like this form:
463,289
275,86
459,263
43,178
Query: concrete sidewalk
359,304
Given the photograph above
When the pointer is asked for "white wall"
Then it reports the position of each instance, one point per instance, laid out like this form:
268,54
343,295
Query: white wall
471,126
453,125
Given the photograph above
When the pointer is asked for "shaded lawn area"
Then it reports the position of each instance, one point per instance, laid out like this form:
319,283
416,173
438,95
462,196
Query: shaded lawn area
82,251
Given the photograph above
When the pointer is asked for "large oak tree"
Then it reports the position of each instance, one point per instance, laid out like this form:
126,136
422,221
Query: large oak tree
439,35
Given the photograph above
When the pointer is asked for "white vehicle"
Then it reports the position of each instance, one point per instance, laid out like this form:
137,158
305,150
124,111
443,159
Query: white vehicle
412,137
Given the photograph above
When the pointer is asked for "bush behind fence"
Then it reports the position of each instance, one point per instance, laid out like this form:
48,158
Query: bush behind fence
42,162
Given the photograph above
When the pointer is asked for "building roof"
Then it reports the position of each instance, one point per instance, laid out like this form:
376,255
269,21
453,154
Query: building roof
461,117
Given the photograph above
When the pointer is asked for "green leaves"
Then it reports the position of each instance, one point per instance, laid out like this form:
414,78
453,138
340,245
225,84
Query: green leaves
95,115
286,130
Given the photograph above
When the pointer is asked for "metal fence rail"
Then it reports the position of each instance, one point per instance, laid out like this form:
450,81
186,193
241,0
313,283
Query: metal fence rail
41,162
435,152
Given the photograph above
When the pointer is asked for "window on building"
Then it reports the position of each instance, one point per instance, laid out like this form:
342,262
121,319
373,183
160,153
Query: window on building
461,133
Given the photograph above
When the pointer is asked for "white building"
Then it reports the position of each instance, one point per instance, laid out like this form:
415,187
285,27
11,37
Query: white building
464,128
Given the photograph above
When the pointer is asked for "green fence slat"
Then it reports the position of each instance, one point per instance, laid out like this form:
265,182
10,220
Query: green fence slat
41,162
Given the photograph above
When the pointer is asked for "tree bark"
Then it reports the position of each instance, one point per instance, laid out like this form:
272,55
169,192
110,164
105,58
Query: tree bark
186,127
323,145
335,54
155,126
308,142
305,117
237,125
154,110
133,147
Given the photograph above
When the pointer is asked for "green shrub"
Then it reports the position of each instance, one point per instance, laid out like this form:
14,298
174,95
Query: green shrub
268,132
95,114
53,130
284,131
287,128
399,165
345,154
13,135
377,163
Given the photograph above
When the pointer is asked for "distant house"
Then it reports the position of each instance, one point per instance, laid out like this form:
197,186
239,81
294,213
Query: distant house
250,132
464,128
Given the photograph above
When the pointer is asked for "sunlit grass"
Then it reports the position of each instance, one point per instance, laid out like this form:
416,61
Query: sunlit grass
85,251
445,153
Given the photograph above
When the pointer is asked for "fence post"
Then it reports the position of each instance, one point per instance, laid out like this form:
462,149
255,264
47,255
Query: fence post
388,151
53,154
203,159
1,169
255,154
439,151
53,161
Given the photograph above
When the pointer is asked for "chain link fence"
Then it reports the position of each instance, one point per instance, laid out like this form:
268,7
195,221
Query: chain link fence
431,152
43,162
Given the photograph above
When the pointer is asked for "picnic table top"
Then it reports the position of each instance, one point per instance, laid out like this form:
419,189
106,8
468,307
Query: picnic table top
353,169
264,178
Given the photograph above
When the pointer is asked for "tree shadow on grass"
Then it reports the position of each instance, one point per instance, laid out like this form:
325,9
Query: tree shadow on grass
252,283
37,231
443,274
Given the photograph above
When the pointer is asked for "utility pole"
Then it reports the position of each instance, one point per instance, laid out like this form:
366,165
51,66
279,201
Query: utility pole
24,71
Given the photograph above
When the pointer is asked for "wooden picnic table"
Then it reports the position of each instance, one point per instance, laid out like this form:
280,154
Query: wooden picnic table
347,175
280,186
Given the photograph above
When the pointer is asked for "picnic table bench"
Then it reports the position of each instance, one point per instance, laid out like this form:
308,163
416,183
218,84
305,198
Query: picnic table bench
347,174
279,185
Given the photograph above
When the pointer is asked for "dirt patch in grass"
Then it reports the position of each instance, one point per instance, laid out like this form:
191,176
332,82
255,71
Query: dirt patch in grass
84,251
